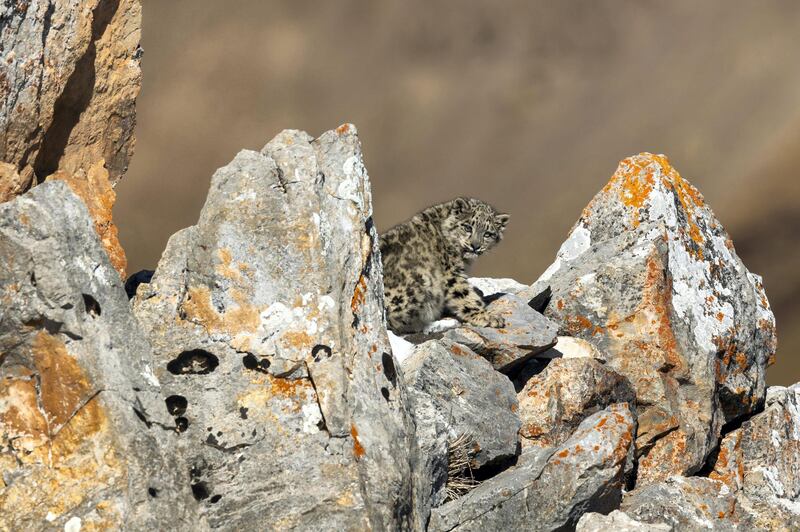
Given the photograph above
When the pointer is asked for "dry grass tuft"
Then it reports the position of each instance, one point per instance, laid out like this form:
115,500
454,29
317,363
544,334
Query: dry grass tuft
460,479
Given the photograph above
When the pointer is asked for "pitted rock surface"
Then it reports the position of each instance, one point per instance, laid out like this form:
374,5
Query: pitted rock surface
267,320
549,489
85,437
649,275
553,403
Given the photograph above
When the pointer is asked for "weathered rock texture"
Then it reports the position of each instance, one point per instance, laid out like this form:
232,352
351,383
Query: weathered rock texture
454,388
526,334
551,488
553,403
267,322
85,437
69,80
649,275
616,521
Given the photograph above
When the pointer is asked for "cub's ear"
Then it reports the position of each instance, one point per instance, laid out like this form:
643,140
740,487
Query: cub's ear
502,220
460,205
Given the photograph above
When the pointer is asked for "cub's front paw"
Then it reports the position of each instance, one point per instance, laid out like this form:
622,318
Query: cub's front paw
485,319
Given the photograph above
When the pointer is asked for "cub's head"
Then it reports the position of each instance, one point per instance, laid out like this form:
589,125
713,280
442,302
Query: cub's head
476,226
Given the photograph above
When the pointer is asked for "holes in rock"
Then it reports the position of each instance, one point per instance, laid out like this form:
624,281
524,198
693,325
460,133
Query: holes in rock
243,412
195,361
181,424
91,305
152,492
215,499
389,369
176,404
321,351
33,279
385,392
141,417
200,491
250,361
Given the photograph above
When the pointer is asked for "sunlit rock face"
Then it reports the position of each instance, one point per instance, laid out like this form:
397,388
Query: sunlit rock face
70,77
650,276
85,436
267,321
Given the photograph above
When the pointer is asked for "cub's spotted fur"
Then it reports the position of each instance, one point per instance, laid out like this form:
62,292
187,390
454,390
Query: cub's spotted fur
425,261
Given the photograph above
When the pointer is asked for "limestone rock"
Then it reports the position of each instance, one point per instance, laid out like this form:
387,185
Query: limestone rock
85,436
549,489
526,334
489,286
694,503
616,521
553,403
649,276
69,80
760,462
267,320
454,388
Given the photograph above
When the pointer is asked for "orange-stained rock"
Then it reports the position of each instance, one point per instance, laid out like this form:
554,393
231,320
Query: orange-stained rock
71,75
651,278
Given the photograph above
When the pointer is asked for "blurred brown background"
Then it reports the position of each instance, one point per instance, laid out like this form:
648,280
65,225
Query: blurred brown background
528,105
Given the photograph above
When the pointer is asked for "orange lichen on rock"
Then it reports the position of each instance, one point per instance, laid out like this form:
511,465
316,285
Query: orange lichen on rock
359,294
198,308
94,188
358,449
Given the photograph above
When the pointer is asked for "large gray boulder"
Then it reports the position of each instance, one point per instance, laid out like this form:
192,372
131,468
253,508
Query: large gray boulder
649,275
85,436
549,489
553,403
267,322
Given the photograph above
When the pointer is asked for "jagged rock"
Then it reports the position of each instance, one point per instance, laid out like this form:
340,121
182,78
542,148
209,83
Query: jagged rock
267,320
489,286
617,521
526,334
649,276
550,489
453,388
760,462
85,437
553,403
694,503
70,74
570,347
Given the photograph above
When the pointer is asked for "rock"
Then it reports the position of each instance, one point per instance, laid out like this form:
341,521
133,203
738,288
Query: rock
133,282
401,348
550,489
71,76
267,320
489,286
467,397
526,334
616,521
650,277
569,347
553,403
85,436
760,461
694,503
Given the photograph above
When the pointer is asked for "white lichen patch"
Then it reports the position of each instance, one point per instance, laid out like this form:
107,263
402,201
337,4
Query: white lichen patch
73,525
311,418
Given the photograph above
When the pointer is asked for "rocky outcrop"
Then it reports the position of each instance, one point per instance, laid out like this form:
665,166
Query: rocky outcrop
553,403
69,80
267,322
551,488
649,275
85,436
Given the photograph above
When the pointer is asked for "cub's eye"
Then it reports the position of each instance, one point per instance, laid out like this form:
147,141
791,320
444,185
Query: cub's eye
466,227
488,234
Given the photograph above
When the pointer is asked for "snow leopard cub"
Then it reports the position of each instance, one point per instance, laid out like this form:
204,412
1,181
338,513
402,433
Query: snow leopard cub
425,261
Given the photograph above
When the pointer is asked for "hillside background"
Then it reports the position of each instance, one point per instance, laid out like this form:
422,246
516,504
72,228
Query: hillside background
528,105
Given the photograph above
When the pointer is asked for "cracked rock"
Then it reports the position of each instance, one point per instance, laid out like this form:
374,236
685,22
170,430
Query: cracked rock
651,278
550,488
85,437
553,403
266,316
